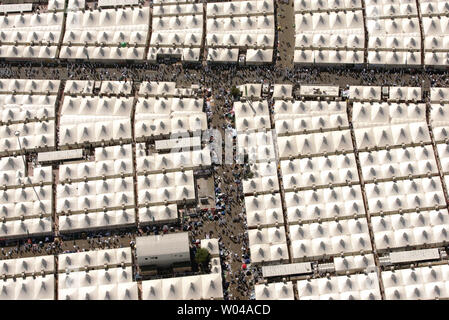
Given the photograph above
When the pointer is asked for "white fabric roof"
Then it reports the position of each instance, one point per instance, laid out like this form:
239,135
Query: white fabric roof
157,162
96,194
303,116
28,227
312,205
398,162
40,288
282,91
317,171
78,260
158,214
416,228
212,246
358,287
222,55
329,238
208,286
97,220
423,283
404,194
314,144
275,291
171,187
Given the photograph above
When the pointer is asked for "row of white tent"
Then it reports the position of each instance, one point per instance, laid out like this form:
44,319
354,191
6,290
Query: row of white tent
163,88
329,238
338,202
348,22
96,106
93,119
392,135
392,8
97,220
266,253
440,126
365,93
114,87
130,18
171,187
205,287
152,124
395,58
73,87
411,229
80,129
249,40
315,144
171,161
25,228
350,39
231,55
29,201
343,56
235,8
101,53
97,194
94,258
30,265
116,291
354,263
20,52
392,42
401,162
248,114
299,123
257,153
387,113
158,214
179,9
274,291
306,108
19,108
31,27
242,24
109,161
81,279
27,86
405,93
405,194
264,178
326,5
354,287
30,288
105,36
424,283
255,140
273,235
329,229
263,210
12,173
430,7
308,172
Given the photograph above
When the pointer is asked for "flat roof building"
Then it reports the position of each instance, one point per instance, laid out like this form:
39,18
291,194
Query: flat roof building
163,250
